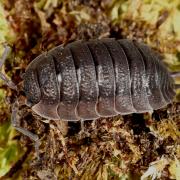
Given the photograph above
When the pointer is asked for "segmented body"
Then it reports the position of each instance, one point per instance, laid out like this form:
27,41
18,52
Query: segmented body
97,78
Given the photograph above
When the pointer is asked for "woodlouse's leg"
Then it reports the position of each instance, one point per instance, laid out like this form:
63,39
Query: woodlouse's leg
62,126
94,124
175,75
16,125
4,55
82,125
8,82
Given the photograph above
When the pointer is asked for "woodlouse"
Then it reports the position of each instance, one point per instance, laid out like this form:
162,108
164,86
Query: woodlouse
95,78
85,80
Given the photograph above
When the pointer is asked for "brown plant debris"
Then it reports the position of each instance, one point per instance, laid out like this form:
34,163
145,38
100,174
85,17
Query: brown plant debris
128,147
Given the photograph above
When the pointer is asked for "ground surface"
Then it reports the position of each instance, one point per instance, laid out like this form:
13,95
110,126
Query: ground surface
127,147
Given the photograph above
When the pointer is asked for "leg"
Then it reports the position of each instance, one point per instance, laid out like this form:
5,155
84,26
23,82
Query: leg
82,125
62,126
175,75
4,55
94,124
8,82
16,125
83,131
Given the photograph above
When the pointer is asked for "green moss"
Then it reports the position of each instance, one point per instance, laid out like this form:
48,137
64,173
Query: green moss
60,22
9,149
6,33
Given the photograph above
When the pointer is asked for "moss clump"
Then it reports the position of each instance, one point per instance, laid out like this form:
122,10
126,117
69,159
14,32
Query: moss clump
113,148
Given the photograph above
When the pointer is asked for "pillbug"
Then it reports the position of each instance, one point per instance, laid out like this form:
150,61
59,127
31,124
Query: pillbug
85,80
97,78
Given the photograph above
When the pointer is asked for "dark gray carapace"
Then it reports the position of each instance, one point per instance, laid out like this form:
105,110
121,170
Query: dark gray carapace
97,78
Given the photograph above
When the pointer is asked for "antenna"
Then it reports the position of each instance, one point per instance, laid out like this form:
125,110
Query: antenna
7,81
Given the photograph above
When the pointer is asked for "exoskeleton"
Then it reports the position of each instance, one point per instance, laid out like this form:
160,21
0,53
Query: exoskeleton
97,78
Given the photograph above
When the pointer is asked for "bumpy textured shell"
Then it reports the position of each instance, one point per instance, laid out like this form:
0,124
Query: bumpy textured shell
97,78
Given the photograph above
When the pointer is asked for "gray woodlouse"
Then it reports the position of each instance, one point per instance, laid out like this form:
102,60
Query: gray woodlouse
97,78
85,80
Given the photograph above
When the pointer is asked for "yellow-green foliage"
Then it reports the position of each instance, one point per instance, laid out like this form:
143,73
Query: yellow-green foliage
6,33
135,19
9,152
